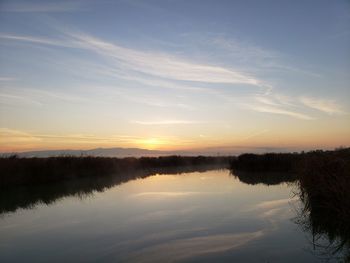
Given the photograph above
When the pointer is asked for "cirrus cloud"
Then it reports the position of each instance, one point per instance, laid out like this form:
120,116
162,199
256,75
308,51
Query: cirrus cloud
326,106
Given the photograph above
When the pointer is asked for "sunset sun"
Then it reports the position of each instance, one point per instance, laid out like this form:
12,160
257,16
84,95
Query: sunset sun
152,143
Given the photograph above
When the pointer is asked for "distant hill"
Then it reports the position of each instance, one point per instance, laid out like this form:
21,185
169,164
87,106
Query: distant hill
108,152
138,152
105,152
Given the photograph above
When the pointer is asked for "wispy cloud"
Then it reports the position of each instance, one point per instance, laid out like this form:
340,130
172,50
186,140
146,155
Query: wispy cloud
294,106
36,97
156,64
255,56
164,65
276,104
154,100
327,106
41,6
165,122
37,40
9,99
274,99
256,134
155,69
15,136
280,111
17,140
12,135
7,79
243,50
159,69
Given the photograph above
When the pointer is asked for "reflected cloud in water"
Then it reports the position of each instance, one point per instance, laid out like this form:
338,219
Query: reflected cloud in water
205,214
193,247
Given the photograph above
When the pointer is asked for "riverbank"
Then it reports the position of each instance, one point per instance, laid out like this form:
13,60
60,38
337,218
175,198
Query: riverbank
323,180
32,171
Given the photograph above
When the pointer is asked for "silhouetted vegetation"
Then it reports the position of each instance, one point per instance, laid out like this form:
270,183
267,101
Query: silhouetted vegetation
24,171
25,182
323,179
324,182
269,162
267,178
30,195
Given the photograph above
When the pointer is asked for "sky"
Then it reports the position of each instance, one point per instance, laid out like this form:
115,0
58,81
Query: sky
174,75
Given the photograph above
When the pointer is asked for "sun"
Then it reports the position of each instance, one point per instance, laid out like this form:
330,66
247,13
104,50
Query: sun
152,143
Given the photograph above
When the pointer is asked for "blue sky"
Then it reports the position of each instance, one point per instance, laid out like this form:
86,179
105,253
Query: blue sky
174,74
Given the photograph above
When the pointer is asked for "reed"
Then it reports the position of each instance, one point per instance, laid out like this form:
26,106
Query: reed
31,171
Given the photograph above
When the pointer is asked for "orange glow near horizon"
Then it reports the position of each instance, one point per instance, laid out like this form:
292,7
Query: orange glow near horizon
151,143
20,141
64,84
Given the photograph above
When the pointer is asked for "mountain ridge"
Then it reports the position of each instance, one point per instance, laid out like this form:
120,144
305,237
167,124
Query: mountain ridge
99,152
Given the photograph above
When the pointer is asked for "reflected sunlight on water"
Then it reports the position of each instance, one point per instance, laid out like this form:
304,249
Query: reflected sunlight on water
198,216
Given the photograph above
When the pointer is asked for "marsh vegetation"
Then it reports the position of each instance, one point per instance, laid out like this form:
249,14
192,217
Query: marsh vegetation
323,180
34,171
320,180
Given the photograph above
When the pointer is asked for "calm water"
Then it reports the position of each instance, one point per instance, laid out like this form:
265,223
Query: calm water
190,217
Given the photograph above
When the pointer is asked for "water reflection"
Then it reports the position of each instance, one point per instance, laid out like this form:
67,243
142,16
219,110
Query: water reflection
192,217
189,214
266,178
27,197
329,232
327,243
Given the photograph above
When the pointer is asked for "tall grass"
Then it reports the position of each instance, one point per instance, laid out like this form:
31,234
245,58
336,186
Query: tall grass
29,195
324,183
323,179
25,171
